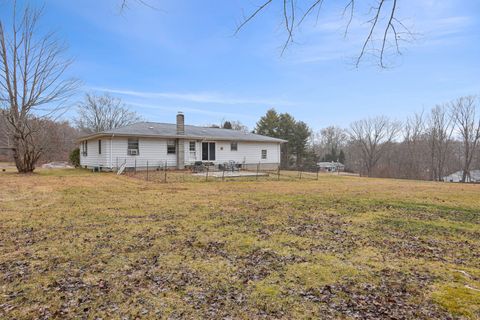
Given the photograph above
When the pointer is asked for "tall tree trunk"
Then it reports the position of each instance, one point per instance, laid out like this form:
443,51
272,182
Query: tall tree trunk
24,156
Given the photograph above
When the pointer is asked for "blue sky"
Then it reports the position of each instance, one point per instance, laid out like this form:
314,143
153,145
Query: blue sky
184,57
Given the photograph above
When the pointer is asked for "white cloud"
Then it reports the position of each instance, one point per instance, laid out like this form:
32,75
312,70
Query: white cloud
446,25
200,97
220,115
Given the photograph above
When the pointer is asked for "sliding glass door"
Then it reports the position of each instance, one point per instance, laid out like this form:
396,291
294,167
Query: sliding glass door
208,151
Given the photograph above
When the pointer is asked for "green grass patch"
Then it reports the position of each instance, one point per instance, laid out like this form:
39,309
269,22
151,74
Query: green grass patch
77,244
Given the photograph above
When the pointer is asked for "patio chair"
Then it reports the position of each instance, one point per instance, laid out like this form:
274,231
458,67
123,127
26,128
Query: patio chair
234,166
198,166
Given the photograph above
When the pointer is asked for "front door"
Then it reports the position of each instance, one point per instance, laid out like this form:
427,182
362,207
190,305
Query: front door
208,151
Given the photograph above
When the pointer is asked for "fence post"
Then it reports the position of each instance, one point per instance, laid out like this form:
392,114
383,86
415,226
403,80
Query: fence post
206,176
117,165
165,172
223,174
278,173
135,165
258,169
300,173
318,169
147,170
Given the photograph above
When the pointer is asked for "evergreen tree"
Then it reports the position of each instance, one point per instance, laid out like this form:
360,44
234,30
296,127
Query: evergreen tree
284,126
301,134
286,131
268,124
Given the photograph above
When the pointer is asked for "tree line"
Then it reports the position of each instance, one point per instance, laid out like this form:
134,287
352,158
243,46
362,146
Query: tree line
35,92
428,145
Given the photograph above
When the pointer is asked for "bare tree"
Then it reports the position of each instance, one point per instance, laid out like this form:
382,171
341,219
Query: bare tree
385,33
413,140
237,125
373,136
439,131
31,86
330,140
101,113
467,122
234,125
59,139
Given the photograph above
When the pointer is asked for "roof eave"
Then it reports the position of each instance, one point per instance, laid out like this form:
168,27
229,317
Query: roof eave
110,134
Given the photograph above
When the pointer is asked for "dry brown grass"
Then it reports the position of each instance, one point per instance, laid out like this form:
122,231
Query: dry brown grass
81,245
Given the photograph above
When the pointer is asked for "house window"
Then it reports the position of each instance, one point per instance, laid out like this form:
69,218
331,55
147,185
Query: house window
233,146
264,154
132,148
84,148
192,146
171,147
99,146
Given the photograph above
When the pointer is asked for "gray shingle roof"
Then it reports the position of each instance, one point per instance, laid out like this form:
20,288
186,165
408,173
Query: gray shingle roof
330,164
169,130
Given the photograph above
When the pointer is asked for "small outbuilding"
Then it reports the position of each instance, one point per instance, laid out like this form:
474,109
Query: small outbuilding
333,166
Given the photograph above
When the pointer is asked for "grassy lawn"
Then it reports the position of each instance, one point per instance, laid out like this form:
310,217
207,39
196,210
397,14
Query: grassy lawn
79,245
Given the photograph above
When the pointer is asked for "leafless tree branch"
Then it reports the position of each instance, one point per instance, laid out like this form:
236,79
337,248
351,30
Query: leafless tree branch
383,22
467,121
374,136
31,80
101,113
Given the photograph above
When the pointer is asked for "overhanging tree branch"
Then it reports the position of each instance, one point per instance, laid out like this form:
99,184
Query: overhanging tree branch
383,22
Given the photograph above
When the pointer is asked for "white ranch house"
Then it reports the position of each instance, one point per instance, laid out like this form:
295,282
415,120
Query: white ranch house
175,146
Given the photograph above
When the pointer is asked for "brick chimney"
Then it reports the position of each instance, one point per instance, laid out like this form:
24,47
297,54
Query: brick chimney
180,141
180,123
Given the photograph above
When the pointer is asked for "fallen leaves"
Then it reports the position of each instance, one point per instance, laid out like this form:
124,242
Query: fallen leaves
112,247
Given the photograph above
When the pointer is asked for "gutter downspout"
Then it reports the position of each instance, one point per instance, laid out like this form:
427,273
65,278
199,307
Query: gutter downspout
111,160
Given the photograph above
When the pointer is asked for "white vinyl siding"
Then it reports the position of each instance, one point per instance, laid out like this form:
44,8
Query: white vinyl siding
248,152
114,153
152,150
93,157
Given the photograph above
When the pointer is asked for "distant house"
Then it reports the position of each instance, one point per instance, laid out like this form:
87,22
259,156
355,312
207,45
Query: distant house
175,146
457,176
331,166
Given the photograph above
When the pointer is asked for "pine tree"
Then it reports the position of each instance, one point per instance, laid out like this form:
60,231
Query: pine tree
268,124
284,126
